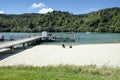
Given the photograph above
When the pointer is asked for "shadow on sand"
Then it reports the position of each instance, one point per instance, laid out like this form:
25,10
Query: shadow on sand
8,53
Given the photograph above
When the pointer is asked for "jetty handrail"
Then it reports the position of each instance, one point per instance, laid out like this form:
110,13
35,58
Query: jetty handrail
12,43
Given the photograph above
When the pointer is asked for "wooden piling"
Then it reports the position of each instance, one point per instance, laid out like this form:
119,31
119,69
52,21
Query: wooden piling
12,49
24,45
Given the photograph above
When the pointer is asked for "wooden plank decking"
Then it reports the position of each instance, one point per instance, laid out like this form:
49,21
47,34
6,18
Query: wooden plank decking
11,44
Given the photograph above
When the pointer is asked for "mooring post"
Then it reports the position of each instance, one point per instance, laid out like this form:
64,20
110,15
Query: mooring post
74,37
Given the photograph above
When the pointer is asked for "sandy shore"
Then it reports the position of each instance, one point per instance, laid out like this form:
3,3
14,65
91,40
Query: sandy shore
43,55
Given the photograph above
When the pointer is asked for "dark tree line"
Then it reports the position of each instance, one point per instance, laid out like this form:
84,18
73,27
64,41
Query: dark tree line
106,20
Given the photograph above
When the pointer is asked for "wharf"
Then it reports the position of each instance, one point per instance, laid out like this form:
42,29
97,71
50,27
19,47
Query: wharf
11,44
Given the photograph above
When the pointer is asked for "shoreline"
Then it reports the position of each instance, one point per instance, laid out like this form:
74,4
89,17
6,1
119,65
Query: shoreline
45,55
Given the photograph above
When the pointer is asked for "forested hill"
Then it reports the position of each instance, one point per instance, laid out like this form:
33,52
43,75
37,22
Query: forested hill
106,20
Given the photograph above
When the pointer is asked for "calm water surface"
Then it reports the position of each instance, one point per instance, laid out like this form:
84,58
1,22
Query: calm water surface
81,38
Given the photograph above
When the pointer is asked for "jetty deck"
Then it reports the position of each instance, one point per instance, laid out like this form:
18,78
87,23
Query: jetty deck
11,44
33,39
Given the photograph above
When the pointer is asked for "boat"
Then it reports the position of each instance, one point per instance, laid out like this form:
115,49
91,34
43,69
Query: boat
70,32
1,37
88,32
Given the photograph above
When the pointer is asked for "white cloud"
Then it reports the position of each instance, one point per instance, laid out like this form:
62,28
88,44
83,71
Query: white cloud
91,10
2,12
42,7
35,5
45,10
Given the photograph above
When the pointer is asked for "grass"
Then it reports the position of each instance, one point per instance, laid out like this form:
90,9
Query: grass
61,72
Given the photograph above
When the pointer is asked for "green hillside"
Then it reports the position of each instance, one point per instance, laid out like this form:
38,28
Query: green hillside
106,20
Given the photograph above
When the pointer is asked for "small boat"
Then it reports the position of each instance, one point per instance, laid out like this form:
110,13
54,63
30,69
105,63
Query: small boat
1,37
88,32
70,32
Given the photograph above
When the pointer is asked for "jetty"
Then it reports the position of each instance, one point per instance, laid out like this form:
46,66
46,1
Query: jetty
45,37
11,44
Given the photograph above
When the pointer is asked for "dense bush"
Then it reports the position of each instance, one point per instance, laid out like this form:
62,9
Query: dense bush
106,20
